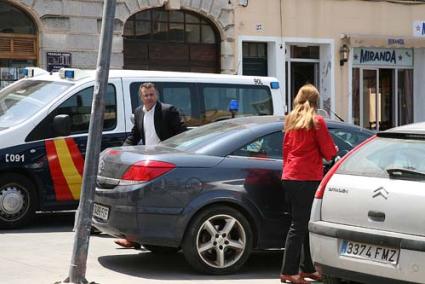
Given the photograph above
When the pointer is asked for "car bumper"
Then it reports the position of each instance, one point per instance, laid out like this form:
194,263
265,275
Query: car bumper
325,242
145,225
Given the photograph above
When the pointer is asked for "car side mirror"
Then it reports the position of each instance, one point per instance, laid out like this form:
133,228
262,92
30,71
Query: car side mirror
62,125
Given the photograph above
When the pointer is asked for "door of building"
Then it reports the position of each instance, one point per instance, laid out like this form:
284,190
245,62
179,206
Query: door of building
302,67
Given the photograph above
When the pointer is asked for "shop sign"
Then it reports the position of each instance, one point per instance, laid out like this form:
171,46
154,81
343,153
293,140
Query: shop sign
419,29
58,60
402,57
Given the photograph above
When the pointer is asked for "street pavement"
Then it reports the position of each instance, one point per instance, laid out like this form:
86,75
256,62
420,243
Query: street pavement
41,254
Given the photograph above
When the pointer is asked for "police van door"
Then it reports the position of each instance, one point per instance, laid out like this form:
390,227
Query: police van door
65,152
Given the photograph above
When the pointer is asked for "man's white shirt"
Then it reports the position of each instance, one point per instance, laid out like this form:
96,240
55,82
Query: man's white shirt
151,137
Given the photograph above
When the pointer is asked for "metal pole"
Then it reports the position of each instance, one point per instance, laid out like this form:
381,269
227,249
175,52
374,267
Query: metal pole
77,271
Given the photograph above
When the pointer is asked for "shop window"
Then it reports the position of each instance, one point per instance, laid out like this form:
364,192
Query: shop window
254,58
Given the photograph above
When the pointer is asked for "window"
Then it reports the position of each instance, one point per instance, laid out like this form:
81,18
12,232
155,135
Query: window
269,146
26,98
78,107
173,26
351,137
383,154
254,58
253,100
212,104
179,95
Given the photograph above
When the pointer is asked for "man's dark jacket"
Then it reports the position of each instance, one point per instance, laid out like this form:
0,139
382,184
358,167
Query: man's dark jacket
167,124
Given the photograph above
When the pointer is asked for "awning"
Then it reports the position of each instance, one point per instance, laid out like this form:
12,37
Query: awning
354,40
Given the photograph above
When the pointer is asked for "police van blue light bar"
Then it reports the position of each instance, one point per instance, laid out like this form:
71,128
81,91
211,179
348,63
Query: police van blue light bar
69,74
73,74
30,72
274,85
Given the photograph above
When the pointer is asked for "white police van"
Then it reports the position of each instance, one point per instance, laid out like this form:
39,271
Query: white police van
44,120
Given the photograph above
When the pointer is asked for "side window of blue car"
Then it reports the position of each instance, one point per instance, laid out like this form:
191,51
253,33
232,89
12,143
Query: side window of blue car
268,147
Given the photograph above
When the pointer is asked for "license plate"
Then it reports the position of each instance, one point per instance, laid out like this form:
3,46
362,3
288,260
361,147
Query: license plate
100,211
369,252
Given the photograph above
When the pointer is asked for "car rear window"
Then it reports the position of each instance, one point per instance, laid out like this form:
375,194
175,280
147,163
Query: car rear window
387,158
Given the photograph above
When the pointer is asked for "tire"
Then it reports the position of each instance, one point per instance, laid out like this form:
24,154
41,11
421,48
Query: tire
18,201
326,279
161,250
218,240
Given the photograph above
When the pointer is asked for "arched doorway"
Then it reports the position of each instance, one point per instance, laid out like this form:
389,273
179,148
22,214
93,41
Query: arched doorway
18,43
176,40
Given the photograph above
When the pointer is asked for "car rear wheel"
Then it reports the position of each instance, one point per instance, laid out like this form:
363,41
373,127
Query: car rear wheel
330,280
218,240
160,249
17,201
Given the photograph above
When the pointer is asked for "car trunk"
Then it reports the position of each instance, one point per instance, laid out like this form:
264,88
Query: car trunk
114,162
379,203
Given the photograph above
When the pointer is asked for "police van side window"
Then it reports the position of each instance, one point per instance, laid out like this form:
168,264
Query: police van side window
78,107
180,95
252,100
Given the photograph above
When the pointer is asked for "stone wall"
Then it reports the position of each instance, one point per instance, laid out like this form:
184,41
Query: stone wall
74,26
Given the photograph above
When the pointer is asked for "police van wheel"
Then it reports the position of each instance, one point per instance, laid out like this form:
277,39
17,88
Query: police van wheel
17,201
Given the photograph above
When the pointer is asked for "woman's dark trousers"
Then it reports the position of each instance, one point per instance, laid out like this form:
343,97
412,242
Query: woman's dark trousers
299,196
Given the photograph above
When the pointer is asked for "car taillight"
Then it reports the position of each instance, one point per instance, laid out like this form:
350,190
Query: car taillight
147,170
321,189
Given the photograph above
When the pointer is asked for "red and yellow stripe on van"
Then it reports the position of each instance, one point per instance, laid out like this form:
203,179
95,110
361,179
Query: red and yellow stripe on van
66,166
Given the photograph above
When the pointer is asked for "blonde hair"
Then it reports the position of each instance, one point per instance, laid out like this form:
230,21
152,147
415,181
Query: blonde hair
305,105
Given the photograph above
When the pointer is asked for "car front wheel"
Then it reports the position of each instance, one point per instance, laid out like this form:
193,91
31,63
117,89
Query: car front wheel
17,201
218,240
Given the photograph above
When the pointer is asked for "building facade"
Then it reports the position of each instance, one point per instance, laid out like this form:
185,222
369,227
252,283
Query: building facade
366,57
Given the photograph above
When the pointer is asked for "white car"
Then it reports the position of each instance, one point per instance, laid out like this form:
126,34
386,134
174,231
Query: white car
368,217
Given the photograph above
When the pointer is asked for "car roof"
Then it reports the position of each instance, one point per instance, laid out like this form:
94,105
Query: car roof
259,121
414,128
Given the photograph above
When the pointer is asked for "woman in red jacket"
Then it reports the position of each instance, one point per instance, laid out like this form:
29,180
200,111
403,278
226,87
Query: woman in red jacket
306,142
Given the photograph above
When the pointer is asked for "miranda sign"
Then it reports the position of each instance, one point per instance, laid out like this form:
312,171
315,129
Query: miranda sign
401,57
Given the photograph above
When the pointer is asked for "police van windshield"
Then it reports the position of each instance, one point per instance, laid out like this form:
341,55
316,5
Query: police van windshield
27,97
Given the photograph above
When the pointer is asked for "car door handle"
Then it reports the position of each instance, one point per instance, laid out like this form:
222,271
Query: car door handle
376,216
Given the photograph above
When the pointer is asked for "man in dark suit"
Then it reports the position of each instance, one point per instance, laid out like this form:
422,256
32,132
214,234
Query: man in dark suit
153,121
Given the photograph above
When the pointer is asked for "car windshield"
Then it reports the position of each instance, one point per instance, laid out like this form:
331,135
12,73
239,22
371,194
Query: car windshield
199,137
25,98
388,158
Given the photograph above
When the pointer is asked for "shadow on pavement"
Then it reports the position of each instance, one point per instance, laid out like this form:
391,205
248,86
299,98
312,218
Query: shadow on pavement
146,265
51,222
